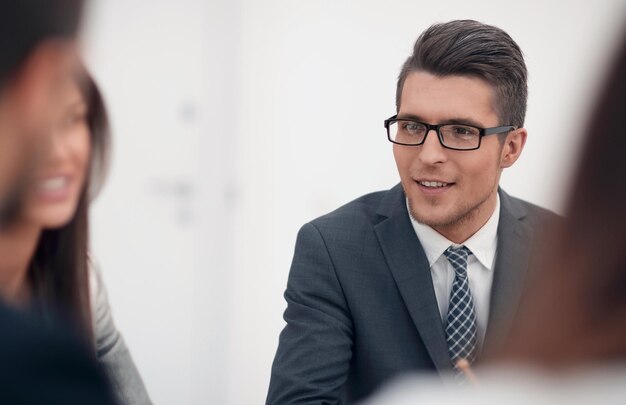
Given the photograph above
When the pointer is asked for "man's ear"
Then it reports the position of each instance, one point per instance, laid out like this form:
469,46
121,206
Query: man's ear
512,148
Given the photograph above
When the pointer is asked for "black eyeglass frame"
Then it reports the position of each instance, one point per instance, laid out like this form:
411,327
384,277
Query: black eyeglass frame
481,131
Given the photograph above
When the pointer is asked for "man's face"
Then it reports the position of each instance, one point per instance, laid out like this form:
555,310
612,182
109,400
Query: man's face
452,191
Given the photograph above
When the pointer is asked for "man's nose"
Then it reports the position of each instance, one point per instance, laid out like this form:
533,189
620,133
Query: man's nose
432,151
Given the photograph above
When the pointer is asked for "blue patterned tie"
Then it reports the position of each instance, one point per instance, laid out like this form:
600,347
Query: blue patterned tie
461,321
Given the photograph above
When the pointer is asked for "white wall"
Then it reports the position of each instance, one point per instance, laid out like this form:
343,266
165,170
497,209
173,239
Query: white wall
162,228
237,121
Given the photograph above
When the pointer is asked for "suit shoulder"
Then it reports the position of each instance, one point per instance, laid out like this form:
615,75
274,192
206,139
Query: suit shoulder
355,215
535,213
365,205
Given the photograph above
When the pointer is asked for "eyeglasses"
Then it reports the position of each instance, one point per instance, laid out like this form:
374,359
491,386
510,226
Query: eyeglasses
451,136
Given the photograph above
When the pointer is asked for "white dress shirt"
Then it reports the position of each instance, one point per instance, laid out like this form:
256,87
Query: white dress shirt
483,245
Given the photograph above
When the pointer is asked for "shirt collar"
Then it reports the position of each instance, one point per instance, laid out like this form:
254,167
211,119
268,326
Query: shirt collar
483,243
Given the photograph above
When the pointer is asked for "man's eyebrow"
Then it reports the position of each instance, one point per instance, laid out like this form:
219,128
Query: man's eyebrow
464,121
455,121
410,117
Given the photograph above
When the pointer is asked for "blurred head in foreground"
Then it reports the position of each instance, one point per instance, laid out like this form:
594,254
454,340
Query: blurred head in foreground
51,225
574,312
37,53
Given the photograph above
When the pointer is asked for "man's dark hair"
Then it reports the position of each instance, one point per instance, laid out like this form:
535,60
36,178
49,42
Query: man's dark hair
26,23
471,48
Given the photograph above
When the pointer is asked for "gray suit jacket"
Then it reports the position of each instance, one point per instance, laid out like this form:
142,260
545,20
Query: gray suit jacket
361,307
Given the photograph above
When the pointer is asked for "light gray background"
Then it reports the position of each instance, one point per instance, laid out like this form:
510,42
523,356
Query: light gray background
237,121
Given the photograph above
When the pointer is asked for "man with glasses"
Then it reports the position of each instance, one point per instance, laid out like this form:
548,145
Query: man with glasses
424,276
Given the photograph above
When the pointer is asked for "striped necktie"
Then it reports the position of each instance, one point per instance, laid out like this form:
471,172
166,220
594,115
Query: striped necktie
461,321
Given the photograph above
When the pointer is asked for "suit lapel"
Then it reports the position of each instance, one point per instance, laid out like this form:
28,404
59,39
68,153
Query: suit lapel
512,262
411,272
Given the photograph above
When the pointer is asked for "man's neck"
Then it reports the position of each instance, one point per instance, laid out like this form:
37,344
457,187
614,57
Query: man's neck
462,230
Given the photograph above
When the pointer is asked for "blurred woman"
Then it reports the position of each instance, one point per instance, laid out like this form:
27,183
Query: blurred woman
45,262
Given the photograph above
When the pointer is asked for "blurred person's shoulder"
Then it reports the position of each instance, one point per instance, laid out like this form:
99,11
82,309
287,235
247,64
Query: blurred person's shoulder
513,384
44,363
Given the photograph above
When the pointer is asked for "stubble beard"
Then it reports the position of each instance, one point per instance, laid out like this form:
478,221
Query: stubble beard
460,214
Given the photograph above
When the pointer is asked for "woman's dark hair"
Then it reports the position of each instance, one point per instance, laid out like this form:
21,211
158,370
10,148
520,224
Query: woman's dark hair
59,271
574,311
